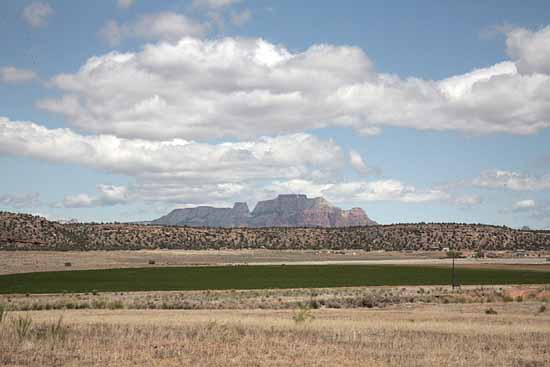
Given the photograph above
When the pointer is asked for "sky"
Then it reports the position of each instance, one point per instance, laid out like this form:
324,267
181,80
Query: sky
426,111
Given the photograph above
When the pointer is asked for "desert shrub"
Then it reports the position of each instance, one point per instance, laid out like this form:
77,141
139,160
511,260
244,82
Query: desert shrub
67,264
99,304
519,299
115,305
490,311
302,314
152,262
313,303
22,326
542,308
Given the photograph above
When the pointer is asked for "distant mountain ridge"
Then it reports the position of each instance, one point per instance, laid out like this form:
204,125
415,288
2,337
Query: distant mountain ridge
289,210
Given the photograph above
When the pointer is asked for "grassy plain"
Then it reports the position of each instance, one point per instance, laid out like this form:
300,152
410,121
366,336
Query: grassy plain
256,277
513,334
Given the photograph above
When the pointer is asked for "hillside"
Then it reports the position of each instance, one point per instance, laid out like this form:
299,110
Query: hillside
26,232
289,210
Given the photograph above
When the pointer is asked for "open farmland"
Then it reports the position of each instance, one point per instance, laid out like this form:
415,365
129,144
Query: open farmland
256,277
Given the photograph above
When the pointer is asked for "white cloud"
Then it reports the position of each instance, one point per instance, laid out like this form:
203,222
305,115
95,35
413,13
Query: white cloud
235,87
191,172
357,163
466,201
125,4
283,157
214,4
78,201
531,50
240,18
359,191
166,26
539,211
525,204
497,179
26,200
11,74
108,195
36,14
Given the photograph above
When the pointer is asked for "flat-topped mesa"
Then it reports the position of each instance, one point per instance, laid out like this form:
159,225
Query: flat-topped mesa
285,203
288,210
241,208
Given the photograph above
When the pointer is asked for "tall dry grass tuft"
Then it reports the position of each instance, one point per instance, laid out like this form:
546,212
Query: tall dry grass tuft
3,313
22,326
57,331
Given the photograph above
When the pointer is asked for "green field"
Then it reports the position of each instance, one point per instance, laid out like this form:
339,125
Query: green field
256,277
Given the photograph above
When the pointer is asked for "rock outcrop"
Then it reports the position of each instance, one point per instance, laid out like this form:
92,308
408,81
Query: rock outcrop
284,211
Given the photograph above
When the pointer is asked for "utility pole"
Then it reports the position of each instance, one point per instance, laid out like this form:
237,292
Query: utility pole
453,271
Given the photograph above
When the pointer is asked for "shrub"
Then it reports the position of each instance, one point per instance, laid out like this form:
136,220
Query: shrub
99,304
542,308
152,262
490,311
68,264
302,314
115,305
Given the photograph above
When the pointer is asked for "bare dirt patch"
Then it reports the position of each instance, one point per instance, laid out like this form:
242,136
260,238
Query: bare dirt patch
12,262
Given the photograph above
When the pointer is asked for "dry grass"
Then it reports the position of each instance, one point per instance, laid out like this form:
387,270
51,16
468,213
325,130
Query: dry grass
350,297
428,335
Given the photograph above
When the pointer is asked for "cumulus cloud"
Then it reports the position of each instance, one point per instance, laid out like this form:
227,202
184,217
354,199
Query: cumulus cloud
284,157
531,50
11,74
36,14
179,171
499,179
125,4
22,200
108,195
166,26
236,87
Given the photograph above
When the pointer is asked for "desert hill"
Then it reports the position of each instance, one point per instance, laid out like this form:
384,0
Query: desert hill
27,232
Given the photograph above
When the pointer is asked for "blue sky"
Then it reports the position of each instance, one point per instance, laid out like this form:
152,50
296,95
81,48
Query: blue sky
415,111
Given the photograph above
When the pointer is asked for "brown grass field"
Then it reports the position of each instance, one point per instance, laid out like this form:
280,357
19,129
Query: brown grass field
515,334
